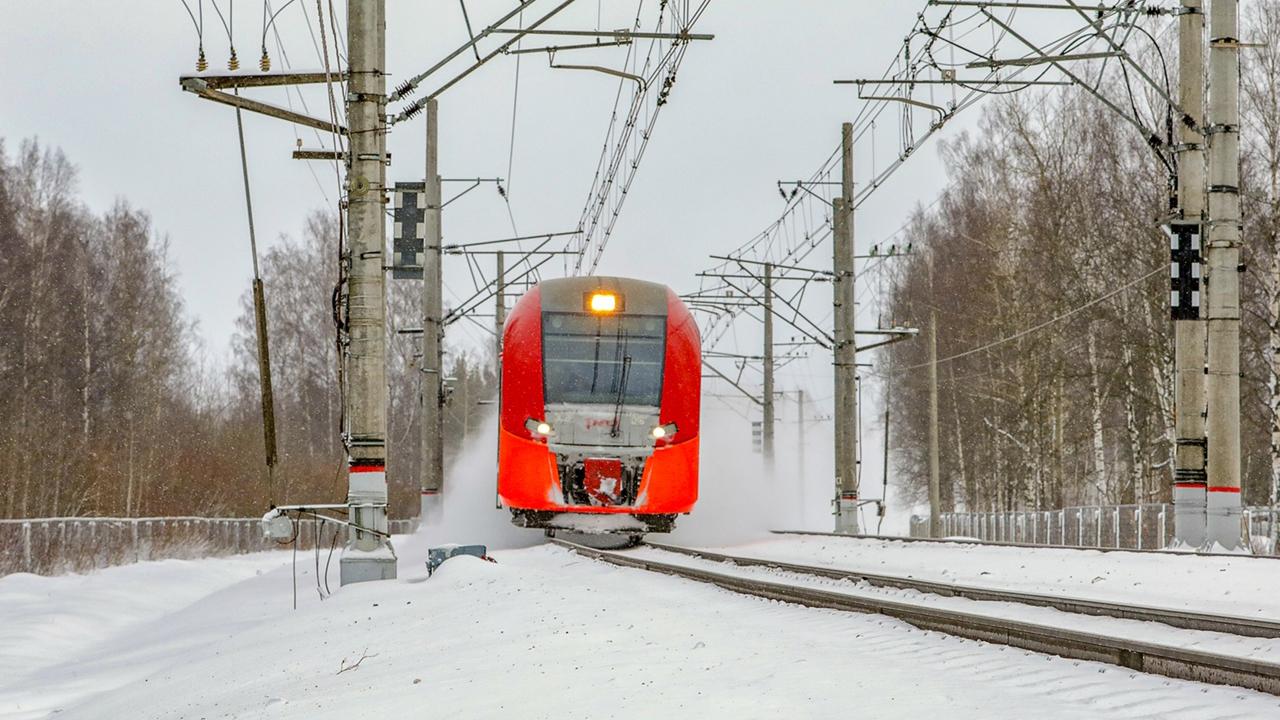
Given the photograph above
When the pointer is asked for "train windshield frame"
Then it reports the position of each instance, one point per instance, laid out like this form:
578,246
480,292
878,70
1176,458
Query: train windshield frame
603,359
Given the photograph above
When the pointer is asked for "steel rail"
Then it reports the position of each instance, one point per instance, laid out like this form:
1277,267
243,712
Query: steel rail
1167,661
1003,543
1186,620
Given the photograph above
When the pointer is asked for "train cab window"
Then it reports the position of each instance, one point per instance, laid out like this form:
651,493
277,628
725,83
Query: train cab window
603,359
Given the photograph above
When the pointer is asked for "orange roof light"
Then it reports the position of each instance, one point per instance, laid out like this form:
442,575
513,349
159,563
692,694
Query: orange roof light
602,302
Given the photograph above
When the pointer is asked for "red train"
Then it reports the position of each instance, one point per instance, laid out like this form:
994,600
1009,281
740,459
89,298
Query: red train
601,390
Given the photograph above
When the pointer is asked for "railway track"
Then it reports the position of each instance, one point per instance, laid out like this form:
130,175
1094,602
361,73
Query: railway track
1181,663
1234,625
999,543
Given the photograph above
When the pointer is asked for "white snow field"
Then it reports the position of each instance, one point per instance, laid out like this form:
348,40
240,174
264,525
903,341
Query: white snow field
541,633
544,633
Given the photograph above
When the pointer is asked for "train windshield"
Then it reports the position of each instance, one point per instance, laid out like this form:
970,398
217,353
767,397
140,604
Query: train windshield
603,359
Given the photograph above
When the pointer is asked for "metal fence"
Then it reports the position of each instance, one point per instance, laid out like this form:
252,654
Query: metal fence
51,546
1127,527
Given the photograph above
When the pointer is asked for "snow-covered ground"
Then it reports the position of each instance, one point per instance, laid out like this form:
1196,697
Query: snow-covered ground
1248,587
1263,649
544,633
540,633
55,628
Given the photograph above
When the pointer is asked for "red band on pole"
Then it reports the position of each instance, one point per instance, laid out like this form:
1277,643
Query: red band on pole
1189,486
368,468
1223,488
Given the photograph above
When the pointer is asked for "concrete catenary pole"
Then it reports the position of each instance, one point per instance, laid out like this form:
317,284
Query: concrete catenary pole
432,442
767,404
1222,385
935,485
367,555
1189,328
499,309
499,321
800,442
845,351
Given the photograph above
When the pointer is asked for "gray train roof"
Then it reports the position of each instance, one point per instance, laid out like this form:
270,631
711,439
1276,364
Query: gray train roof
638,296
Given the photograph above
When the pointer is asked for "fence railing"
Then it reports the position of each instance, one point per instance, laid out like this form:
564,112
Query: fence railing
1127,527
51,546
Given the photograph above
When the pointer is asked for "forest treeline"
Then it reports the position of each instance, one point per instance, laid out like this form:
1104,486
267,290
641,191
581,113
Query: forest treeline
109,408
1051,205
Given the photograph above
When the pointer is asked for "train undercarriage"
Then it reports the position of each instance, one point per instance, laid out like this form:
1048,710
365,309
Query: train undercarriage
594,523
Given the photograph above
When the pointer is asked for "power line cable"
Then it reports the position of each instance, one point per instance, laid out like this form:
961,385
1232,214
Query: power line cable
1039,326
289,90
228,22
515,100
201,63
904,67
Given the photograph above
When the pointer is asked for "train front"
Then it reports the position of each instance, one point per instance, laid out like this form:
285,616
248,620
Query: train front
601,384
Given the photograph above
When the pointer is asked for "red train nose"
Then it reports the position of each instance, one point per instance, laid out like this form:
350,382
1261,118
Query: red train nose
601,379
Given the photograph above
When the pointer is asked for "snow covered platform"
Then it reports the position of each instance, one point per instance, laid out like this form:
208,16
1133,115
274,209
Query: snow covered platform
541,633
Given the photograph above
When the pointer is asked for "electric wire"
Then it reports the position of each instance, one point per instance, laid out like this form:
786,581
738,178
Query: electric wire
295,565
198,25
201,63
321,56
289,90
268,23
315,545
333,543
1041,325
339,42
515,103
864,123
608,193
337,297
228,22
505,191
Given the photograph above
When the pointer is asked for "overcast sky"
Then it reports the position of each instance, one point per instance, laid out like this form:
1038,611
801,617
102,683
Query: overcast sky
753,106
756,105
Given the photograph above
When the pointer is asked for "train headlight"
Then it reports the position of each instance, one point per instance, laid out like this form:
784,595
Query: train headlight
538,427
603,302
663,431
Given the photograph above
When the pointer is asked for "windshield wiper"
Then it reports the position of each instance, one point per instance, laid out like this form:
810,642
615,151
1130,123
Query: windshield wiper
595,363
616,429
